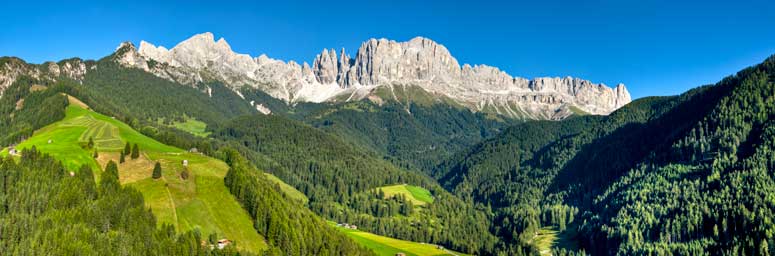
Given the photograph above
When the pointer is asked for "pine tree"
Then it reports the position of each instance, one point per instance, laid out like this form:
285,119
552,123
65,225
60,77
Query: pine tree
156,171
109,179
135,152
121,159
90,145
127,149
96,155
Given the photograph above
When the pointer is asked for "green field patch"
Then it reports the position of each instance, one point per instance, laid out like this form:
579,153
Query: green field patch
386,246
549,238
417,195
193,126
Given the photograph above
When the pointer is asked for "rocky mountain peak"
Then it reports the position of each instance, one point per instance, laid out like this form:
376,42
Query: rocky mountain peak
419,62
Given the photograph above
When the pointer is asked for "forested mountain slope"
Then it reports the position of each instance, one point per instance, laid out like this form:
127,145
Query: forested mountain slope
658,175
189,194
340,181
413,134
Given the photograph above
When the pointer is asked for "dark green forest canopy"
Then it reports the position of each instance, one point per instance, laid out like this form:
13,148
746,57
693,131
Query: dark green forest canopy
289,228
684,175
337,177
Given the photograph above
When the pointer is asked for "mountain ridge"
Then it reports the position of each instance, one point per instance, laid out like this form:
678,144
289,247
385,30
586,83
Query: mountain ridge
378,62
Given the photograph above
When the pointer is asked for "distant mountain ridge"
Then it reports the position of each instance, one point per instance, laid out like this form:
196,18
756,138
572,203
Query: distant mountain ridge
419,62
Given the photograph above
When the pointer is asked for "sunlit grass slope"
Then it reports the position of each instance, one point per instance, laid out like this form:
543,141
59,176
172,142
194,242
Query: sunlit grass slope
201,201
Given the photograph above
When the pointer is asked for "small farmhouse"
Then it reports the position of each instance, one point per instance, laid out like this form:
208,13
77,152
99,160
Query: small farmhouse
223,243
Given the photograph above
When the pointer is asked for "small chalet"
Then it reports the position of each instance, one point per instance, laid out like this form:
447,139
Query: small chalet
185,162
347,226
193,150
49,141
12,151
223,243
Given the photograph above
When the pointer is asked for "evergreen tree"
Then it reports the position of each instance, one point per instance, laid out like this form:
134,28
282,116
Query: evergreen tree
96,155
121,158
135,151
90,145
156,171
127,149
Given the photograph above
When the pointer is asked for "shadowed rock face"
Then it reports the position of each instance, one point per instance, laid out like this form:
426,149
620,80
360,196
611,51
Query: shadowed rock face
418,62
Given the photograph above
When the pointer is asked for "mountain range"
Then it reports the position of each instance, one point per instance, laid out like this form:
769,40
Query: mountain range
419,62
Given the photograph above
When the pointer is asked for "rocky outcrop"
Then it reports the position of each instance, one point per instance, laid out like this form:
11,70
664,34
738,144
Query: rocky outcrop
12,68
419,62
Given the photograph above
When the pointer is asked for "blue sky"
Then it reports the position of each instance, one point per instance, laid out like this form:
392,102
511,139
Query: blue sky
654,47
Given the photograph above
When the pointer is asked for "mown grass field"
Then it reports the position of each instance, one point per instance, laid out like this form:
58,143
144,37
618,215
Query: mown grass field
202,201
387,246
417,195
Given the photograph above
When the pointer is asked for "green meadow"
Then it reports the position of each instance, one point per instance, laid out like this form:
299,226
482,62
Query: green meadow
386,246
192,126
201,201
417,195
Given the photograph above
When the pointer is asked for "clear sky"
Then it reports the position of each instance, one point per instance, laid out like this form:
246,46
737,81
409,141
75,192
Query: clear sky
654,47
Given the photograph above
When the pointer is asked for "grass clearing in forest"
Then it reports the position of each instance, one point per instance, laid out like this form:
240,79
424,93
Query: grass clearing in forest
549,238
192,126
386,246
417,195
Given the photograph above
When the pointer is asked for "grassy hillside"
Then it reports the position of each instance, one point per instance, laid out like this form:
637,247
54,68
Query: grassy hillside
289,190
386,246
199,202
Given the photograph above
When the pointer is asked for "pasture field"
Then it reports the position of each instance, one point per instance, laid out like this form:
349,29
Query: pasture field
192,126
417,195
200,202
386,246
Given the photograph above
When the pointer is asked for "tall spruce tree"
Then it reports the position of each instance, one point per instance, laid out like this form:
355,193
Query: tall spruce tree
135,151
156,171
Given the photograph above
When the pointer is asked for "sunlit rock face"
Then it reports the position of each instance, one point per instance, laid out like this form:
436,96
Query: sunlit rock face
419,62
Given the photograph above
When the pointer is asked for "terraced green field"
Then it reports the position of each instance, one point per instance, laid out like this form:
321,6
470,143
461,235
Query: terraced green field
417,195
200,202
387,246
